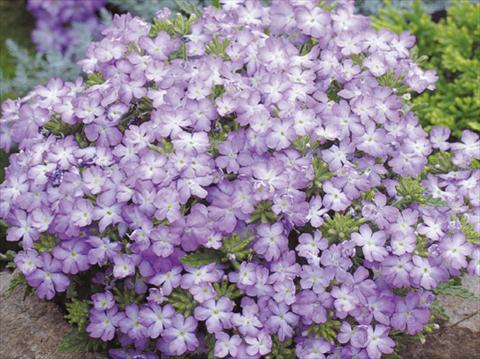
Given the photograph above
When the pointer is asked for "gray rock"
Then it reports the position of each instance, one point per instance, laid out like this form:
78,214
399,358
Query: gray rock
31,328
464,313
447,343
459,337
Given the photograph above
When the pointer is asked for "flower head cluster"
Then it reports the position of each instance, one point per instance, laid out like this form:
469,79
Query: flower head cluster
54,20
246,181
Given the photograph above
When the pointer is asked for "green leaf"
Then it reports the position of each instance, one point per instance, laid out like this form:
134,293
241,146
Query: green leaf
236,248
59,128
218,48
304,144
282,349
227,289
210,341
125,296
8,257
95,78
80,342
182,301
469,231
18,280
77,312
410,190
46,242
327,330
333,90
263,213
307,46
217,91
421,248
440,162
321,173
178,26
3,164
188,8
436,202
201,257
340,227
453,287
81,139
165,147
437,312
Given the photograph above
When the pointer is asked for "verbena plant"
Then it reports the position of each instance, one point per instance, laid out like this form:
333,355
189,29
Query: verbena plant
246,182
452,47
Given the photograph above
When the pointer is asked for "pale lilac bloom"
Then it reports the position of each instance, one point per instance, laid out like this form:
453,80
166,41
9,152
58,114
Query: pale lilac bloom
181,335
372,244
216,314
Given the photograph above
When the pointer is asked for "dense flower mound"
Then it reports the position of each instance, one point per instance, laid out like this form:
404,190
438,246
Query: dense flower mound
54,19
247,182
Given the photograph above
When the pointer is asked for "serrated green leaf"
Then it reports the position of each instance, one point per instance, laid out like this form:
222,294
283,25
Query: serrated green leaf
95,78
45,243
201,257
182,301
59,128
263,213
218,48
340,227
77,312
454,287
80,342
236,248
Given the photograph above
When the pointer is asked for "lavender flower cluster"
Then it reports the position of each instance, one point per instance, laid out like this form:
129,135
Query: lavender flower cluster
54,19
249,181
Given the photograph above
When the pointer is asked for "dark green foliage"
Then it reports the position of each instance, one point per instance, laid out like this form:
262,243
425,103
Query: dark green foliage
125,296
263,213
282,350
327,330
78,341
321,173
7,259
59,128
226,289
45,243
182,301
234,250
307,46
201,257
